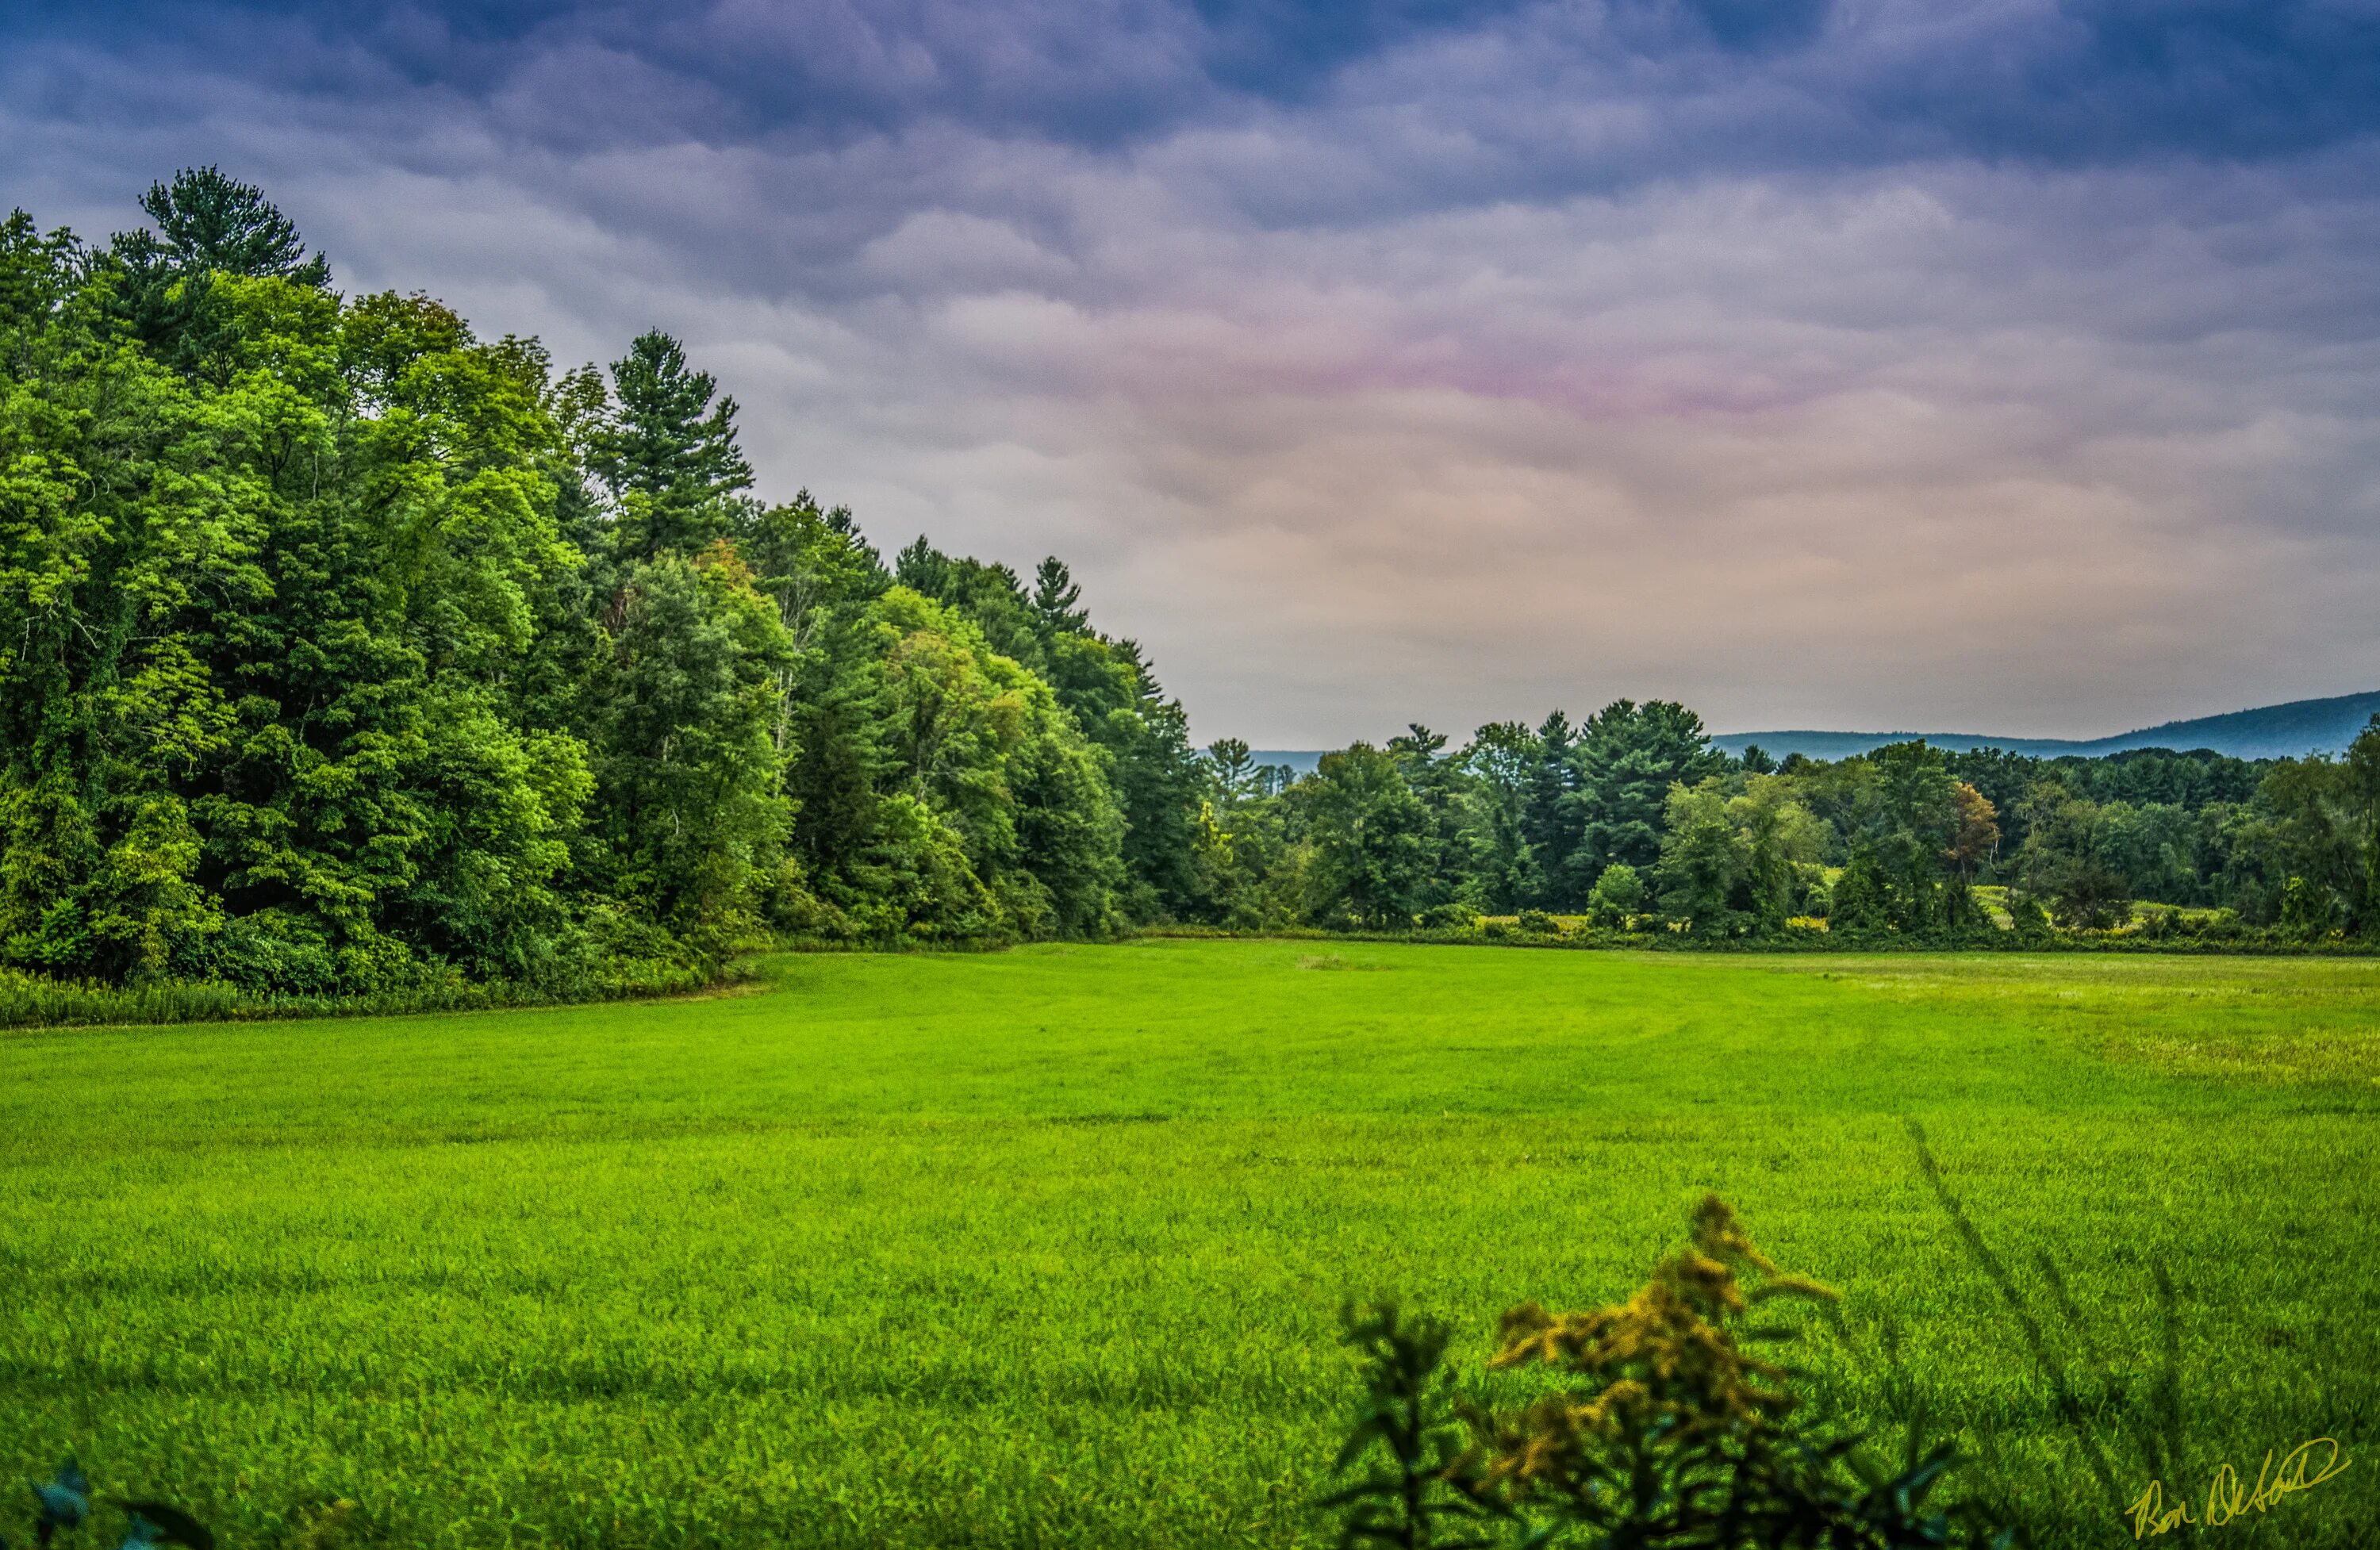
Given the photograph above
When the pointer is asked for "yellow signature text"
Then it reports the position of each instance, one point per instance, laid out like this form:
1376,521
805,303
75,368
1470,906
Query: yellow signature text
2229,1497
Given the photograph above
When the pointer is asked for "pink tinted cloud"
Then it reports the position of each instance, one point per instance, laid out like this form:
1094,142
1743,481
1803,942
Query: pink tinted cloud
1354,414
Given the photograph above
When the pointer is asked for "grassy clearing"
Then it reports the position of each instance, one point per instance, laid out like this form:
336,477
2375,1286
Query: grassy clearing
1046,1245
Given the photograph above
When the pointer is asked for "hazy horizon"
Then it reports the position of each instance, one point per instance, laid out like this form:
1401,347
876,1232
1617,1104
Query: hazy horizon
1457,735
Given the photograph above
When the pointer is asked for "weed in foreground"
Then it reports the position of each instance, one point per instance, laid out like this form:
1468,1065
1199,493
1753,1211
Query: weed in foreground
1662,1427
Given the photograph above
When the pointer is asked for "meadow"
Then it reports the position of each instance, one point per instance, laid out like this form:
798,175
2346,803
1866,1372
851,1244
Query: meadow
1047,1246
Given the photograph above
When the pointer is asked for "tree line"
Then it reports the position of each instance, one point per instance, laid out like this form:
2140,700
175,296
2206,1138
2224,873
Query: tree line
344,649
1632,817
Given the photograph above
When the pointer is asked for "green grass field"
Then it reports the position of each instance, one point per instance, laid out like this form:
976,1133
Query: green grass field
1047,1246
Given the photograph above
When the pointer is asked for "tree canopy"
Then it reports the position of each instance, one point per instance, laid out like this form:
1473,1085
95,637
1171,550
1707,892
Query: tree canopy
347,649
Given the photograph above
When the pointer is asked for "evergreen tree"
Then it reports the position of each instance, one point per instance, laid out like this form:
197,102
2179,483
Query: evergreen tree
1443,783
668,452
1626,759
1552,822
209,221
1054,597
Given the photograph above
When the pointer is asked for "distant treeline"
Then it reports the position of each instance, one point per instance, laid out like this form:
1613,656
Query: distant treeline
1633,816
344,652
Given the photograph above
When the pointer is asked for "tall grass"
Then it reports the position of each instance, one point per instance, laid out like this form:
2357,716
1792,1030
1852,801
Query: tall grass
29,1001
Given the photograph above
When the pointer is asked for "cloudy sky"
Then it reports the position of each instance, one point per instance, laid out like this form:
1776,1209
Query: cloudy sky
1991,365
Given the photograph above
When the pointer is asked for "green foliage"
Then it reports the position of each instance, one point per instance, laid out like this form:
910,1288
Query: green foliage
1663,1425
1453,916
1703,869
1407,1437
1503,761
1250,872
1107,688
344,653
1618,894
258,645
668,454
1899,845
2028,919
1730,865
1554,818
2309,910
1371,836
692,817
1627,759
2065,861
1861,899
212,221
29,1001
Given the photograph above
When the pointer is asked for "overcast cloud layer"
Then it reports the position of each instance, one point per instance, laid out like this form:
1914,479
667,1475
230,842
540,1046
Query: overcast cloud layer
2004,365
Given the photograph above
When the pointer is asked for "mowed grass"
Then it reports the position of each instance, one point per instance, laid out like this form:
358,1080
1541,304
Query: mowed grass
1047,1246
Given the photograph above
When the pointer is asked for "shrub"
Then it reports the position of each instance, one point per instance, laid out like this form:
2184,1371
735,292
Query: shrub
1619,893
1861,899
1539,923
2091,897
1449,917
2309,910
2027,919
2223,926
1659,1425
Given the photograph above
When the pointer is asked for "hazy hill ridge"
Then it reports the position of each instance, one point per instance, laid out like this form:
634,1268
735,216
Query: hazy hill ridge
2300,726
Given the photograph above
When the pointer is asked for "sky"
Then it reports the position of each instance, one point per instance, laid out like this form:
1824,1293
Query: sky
2003,365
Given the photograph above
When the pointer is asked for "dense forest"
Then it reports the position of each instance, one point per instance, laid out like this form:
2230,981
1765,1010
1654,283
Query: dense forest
344,650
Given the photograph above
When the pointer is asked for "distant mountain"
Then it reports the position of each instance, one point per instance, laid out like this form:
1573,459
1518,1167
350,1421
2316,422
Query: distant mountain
2270,732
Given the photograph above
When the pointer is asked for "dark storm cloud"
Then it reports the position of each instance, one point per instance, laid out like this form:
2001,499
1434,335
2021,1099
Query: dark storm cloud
2006,363
1763,82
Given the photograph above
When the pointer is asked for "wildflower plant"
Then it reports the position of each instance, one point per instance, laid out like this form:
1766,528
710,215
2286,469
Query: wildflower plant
1663,1401
1664,1428
1409,1439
